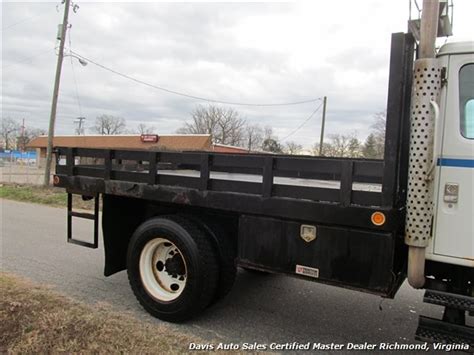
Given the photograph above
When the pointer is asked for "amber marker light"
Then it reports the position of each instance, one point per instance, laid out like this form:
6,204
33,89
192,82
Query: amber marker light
378,218
55,180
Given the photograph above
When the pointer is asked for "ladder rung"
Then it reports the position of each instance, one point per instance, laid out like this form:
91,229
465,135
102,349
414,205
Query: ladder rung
82,215
91,216
82,243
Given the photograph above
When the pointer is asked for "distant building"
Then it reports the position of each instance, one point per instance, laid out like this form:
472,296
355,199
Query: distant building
175,142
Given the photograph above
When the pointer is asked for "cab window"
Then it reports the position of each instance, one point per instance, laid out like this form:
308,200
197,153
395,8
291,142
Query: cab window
466,100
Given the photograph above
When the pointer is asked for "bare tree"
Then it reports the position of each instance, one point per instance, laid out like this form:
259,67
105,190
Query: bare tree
354,148
340,145
231,127
32,133
9,132
380,122
369,149
143,128
268,133
223,124
204,121
272,145
378,130
328,149
253,137
109,125
293,148
27,135
270,141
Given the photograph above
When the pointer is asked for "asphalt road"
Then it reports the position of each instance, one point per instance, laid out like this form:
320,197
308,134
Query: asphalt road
262,309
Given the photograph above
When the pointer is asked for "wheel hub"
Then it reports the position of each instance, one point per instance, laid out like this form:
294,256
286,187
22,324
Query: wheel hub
174,266
163,269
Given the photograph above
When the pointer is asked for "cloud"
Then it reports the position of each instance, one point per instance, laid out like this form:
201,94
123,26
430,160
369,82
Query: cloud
251,52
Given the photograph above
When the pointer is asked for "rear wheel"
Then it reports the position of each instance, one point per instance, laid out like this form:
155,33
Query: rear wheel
172,268
227,254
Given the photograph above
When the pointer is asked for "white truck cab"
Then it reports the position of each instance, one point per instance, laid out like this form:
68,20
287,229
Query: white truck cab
452,239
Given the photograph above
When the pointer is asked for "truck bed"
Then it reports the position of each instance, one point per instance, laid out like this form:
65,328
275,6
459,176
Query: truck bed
322,190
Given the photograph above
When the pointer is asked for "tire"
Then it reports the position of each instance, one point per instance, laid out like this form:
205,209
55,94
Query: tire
227,252
172,268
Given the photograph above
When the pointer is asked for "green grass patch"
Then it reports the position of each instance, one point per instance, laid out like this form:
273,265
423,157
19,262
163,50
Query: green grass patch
51,196
36,194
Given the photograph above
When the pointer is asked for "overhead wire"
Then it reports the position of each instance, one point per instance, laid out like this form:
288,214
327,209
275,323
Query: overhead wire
38,54
157,87
24,20
15,24
20,22
303,123
195,97
74,75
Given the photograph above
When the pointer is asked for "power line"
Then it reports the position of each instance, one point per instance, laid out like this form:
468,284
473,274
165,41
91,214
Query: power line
304,122
36,16
21,21
192,96
74,77
76,87
38,54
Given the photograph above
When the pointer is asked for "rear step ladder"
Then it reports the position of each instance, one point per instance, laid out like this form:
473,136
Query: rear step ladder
93,216
452,329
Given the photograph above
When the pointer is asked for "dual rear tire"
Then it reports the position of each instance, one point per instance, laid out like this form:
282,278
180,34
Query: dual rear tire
176,269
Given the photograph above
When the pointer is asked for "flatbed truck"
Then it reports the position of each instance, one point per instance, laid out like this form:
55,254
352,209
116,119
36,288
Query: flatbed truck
181,222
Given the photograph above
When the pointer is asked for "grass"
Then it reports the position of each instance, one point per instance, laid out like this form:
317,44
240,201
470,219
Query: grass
37,320
51,196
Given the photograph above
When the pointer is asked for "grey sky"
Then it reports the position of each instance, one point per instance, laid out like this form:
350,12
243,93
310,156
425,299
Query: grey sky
250,52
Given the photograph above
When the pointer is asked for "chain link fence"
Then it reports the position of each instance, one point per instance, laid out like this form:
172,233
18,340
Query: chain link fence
20,168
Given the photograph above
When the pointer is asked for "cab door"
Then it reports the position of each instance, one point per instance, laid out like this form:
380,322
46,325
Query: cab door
453,232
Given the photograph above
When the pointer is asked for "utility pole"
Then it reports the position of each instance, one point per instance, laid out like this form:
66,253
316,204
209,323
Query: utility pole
22,144
80,128
429,28
54,105
321,140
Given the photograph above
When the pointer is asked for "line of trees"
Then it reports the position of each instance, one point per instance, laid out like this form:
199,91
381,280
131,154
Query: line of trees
227,126
14,136
113,125
340,145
